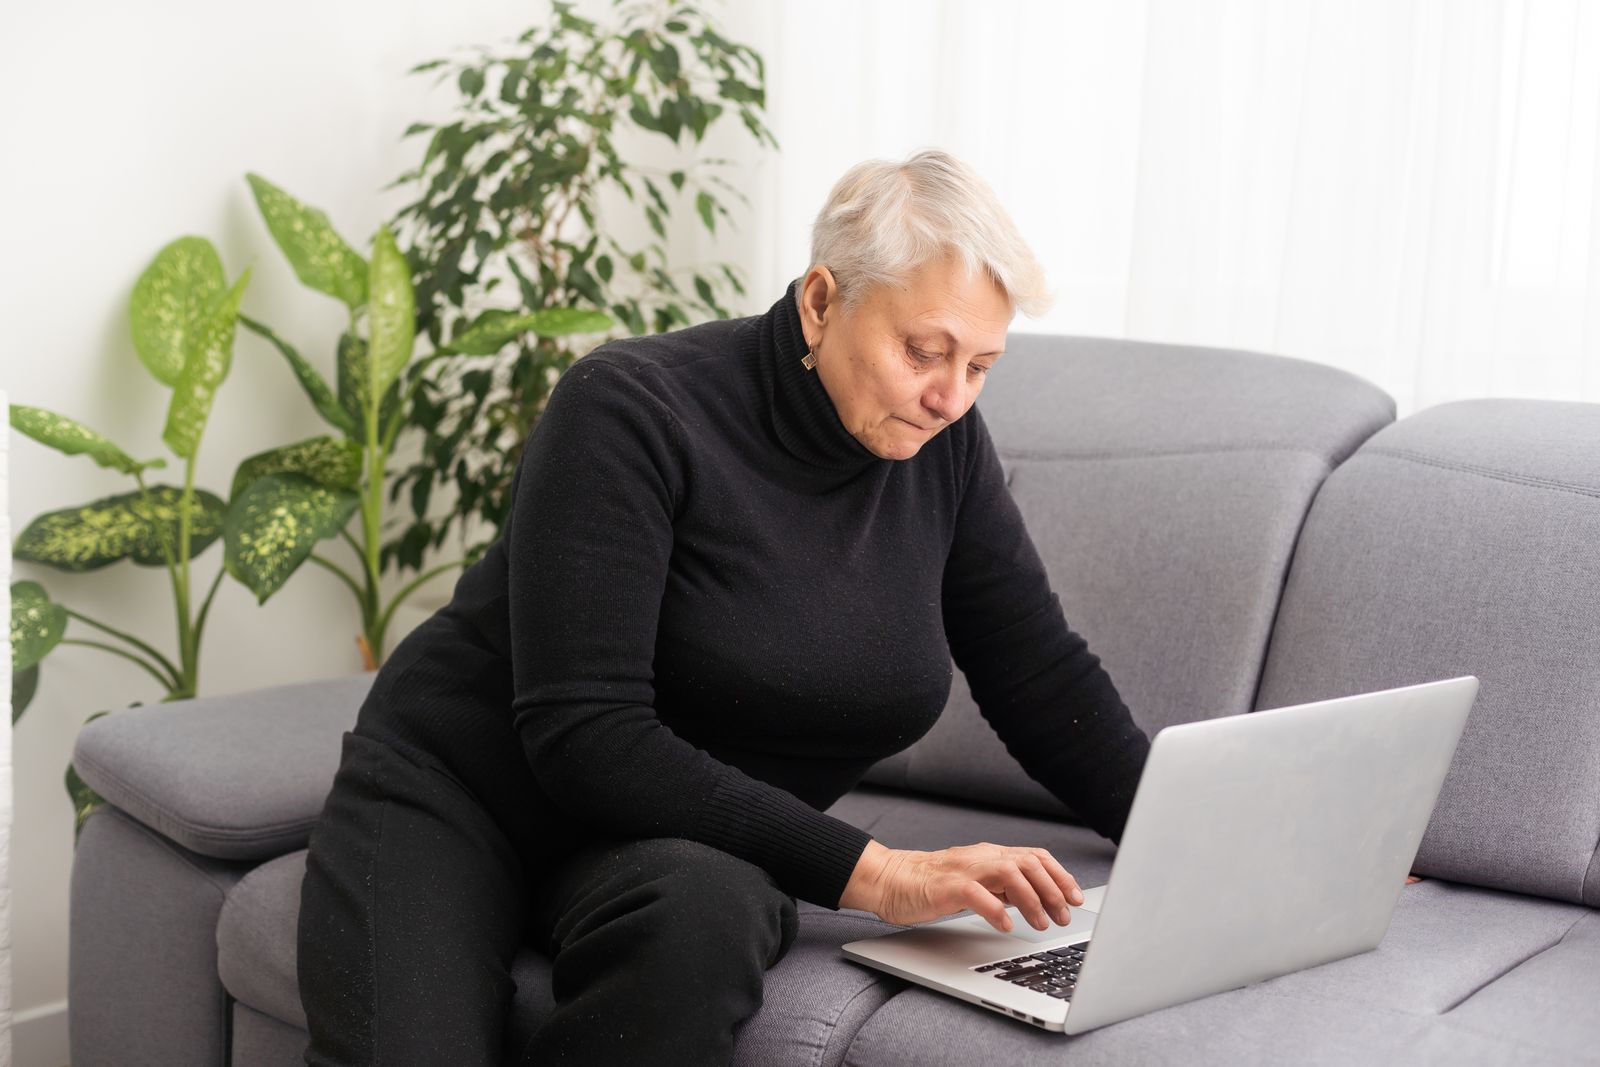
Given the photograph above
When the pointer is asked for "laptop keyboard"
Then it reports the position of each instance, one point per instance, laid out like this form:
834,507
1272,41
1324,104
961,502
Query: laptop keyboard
1053,972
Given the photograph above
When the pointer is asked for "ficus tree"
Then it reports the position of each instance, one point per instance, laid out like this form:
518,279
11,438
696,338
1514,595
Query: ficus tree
509,191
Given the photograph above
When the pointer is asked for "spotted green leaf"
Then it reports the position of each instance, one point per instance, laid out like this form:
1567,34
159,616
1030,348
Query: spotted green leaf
353,377
24,684
74,438
209,356
168,300
316,388
391,314
125,526
320,257
84,799
494,329
330,461
274,525
37,624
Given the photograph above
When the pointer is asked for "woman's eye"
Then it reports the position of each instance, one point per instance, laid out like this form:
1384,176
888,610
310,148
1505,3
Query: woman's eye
981,370
921,357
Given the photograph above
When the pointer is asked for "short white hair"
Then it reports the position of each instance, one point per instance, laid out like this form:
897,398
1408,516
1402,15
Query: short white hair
884,219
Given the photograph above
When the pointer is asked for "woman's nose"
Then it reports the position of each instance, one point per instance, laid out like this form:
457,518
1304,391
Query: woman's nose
947,398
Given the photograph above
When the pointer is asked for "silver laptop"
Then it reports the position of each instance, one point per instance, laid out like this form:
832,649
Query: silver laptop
1257,845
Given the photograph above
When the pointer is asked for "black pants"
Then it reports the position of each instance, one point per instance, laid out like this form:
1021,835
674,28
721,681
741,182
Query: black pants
415,903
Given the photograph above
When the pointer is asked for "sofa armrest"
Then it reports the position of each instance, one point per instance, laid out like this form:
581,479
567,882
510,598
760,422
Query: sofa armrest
237,777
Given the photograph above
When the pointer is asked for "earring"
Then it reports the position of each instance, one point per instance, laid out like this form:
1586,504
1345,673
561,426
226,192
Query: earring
809,360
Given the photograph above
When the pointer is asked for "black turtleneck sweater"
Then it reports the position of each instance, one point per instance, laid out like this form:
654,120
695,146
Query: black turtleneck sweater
713,609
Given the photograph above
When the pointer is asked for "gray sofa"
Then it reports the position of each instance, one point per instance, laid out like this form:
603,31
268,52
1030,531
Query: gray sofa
1230,531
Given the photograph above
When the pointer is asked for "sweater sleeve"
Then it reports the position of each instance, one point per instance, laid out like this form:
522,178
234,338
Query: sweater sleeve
1034,679
589,539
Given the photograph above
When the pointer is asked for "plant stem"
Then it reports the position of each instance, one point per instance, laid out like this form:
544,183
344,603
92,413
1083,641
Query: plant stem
200,620
132,640
372,505
344,576
411,587
186,642
115,651
354,544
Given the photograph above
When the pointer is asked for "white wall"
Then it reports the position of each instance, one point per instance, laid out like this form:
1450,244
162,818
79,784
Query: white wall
126,126
7,806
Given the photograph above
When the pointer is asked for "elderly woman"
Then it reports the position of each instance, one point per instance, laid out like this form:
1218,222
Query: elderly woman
740,559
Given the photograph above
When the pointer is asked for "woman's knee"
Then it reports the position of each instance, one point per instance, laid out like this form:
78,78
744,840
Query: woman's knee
707,901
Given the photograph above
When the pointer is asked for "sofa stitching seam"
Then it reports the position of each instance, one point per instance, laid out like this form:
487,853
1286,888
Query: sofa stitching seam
221,834
177,851
1482,471
833,1027
1150,453
1530,956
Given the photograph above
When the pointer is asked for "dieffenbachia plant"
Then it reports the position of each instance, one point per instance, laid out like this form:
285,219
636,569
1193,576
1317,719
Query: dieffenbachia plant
304,492
183,316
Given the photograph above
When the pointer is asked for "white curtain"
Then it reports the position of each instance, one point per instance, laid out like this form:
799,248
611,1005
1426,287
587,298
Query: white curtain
1402,188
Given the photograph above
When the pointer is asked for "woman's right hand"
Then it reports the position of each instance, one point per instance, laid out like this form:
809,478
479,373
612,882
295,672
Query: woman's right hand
905,886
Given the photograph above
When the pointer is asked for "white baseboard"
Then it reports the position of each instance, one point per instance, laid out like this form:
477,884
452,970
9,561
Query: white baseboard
39,1036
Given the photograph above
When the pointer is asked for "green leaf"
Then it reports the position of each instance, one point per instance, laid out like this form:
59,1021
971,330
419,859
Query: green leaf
316,387
415,128
470,81
391,318
124,526
676,178
24,684
210,352
353,378
74,438
737,91
494,329
704,204
642,117
84,799
168,301
655,194
273,526
329,461
37,624
664,61
602,267
320,257
703,288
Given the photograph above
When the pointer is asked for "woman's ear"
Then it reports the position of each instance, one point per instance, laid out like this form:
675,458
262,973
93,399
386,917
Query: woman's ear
818,296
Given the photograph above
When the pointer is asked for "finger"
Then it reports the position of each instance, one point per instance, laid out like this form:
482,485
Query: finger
1022,894
985,903
1051,897
1069,885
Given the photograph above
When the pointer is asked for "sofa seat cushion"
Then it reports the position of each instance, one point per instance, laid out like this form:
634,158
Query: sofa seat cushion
814,999
1463,975
256,939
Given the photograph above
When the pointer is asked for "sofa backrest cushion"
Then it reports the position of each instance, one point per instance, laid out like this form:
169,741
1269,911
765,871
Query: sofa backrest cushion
1465,539
1164,486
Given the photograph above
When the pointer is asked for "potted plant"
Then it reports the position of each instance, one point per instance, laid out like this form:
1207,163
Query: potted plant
509,192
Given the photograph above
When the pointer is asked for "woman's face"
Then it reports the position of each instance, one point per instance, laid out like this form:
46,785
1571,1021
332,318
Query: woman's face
908,360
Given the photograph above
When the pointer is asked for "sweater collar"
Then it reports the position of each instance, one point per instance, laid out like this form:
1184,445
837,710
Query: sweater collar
803,414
